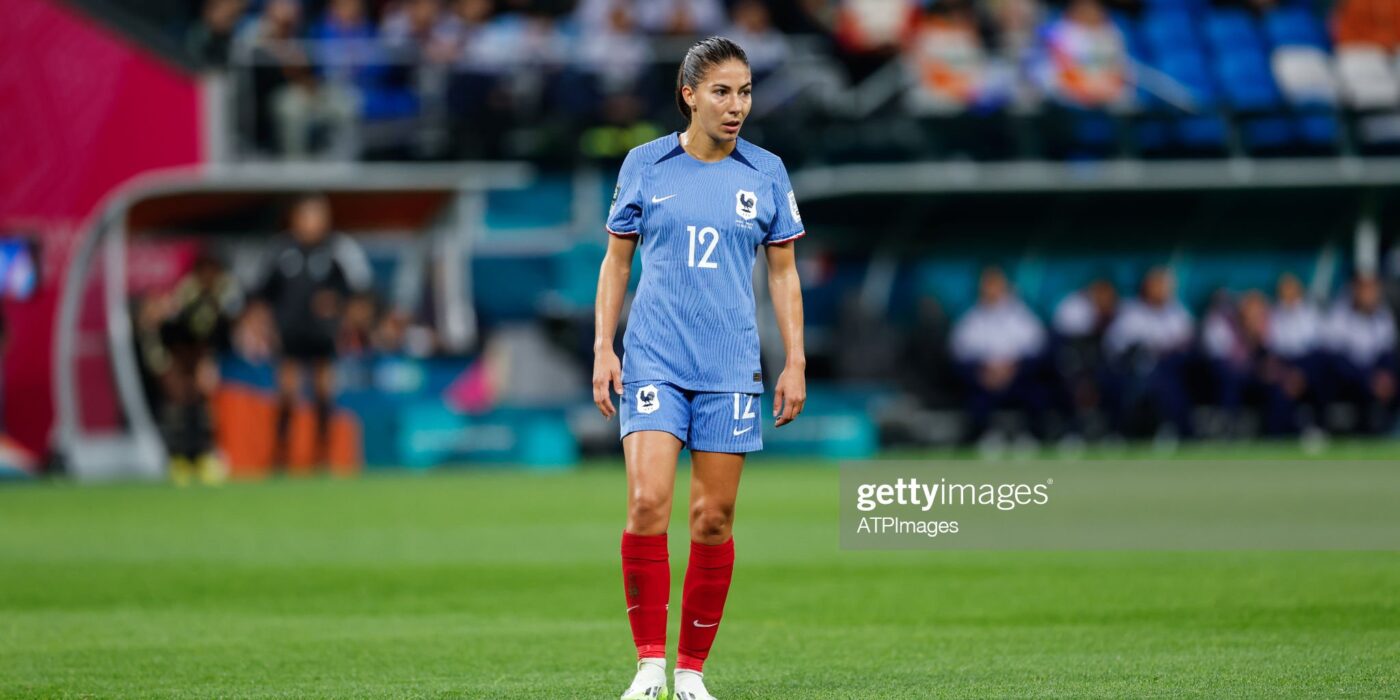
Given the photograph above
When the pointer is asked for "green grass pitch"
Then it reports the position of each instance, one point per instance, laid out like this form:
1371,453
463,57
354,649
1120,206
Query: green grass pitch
491,584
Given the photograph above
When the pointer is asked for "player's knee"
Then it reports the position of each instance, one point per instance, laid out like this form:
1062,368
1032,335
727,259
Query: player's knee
647,513
711,522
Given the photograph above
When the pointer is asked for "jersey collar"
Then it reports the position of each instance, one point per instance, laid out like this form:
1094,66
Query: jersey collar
736,154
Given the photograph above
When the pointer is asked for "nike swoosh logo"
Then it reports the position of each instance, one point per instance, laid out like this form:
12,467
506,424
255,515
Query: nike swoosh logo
634,607
657,200
741,432
697,624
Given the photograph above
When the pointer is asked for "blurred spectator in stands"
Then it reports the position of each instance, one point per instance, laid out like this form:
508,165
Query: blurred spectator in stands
1367,23
279,65
680,17
1148,345
1014,25
1085,58
1079,324
948,60
211,39
353,62
417,29
1294,341
998,345
752,28
870,32
477,98
465,25
344,36
614,56
1360,331
300,101
420,38
603,83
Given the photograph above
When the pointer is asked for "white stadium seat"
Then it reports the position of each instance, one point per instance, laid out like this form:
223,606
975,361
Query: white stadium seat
1304,74
1368,79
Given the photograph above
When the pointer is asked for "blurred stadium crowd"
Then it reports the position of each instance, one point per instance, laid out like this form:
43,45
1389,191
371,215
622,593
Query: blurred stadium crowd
958,78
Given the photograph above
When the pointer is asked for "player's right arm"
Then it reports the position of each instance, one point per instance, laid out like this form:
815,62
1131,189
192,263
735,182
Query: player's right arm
624,230
607,307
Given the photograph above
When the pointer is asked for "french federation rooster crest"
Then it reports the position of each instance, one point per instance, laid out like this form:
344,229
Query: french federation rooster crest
746,204
647,401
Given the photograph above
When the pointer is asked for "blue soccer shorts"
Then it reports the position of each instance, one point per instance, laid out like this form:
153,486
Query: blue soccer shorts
703,421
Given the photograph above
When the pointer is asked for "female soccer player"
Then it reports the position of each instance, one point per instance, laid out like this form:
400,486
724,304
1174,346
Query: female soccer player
699,203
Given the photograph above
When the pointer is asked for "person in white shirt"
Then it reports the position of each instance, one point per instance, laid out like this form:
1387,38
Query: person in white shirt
1148,344
1295,324
1294,343
1360,336
998,346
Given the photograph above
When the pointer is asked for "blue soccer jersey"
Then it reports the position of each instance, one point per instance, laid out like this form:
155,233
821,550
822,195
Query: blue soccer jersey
700,225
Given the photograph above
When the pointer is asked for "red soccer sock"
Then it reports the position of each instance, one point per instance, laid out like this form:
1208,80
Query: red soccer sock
706,586
646,581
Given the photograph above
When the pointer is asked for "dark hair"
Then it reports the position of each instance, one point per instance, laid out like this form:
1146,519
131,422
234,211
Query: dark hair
698,61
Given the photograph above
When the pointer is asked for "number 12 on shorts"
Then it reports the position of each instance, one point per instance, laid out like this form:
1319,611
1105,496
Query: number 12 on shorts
748,407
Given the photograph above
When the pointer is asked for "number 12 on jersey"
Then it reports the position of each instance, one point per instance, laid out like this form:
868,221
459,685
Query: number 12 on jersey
712,235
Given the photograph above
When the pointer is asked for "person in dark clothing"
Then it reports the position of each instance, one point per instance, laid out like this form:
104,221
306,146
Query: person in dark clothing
211,39
200,312
309,277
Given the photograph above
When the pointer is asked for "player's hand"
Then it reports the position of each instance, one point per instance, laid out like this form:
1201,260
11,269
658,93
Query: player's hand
607,375
789,396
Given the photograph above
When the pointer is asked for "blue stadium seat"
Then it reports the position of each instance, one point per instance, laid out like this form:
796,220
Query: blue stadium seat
1319,130
1248,80
1094,132
1165,31
1295,26
1153,135
1204,130
1271,133
1189,6
1188,67
1232,30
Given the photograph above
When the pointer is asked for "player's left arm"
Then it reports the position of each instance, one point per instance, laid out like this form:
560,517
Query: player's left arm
786,290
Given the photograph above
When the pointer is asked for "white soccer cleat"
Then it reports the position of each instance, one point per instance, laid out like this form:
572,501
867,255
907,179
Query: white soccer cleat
690,686
650,682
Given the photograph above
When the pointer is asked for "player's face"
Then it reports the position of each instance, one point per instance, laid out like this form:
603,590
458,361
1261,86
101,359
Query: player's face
311,221
721,102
